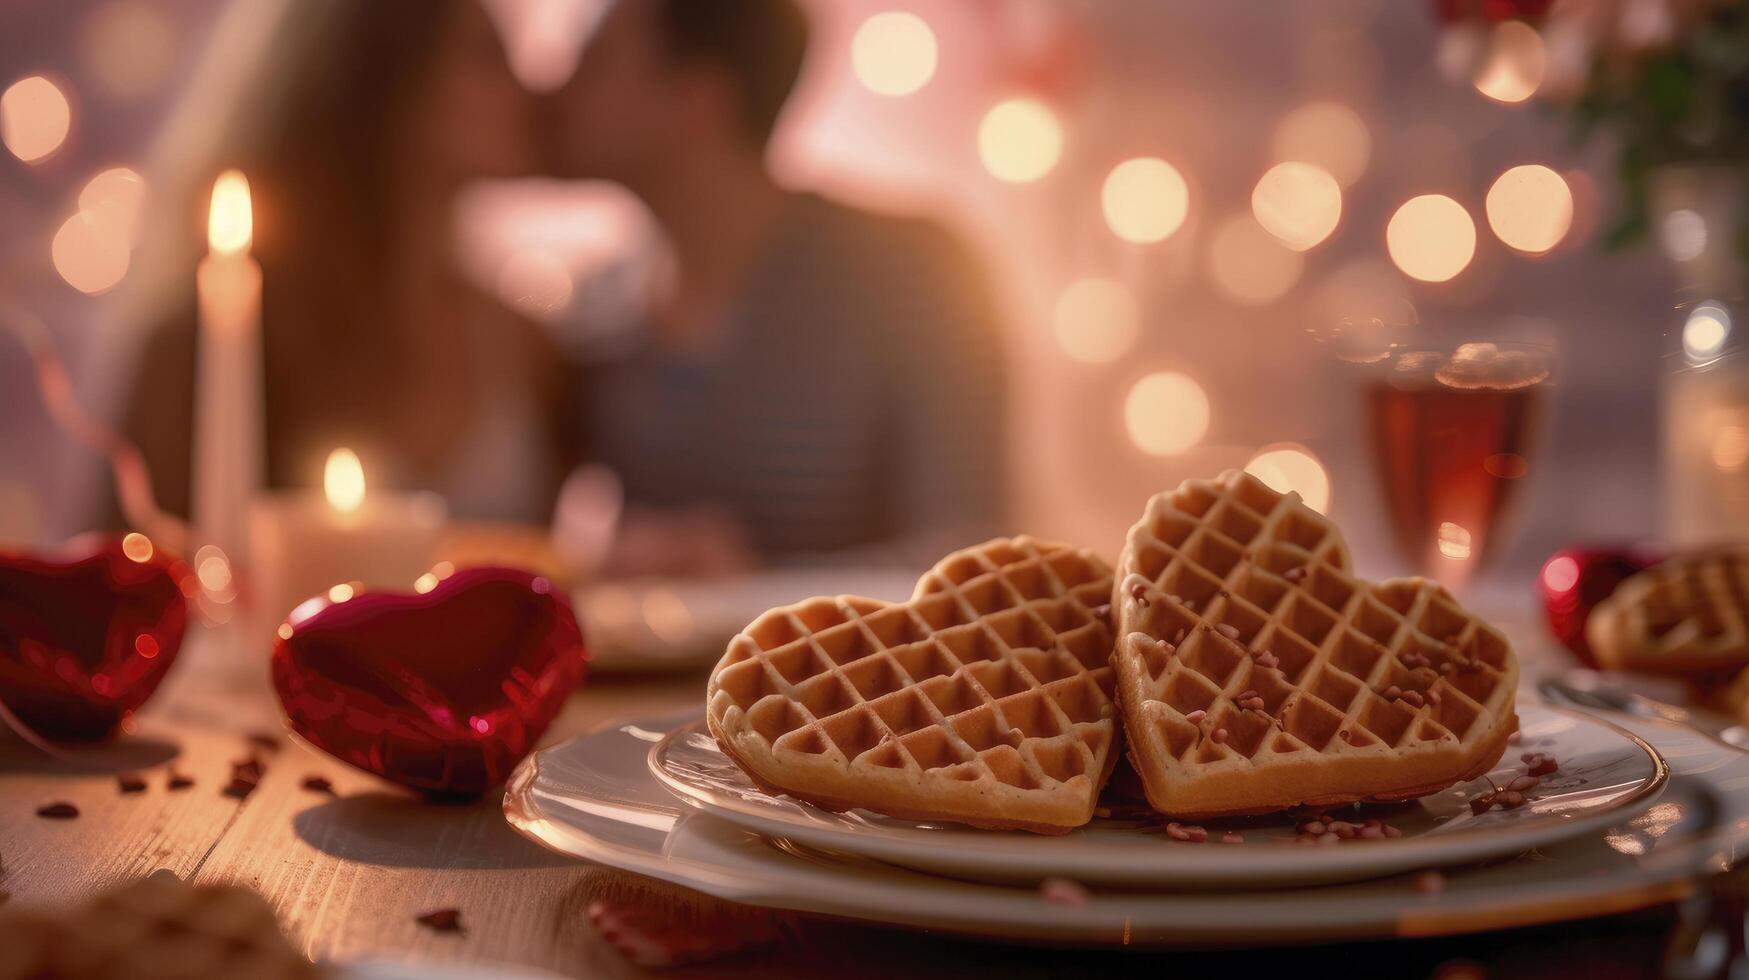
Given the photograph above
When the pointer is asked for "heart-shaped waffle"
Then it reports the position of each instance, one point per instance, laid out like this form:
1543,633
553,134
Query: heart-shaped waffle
1689,614
1256,672
984,699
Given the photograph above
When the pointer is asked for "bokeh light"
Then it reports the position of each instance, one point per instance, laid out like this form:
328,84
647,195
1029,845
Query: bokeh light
893,53
91,255
341,593
343,481
1683,234
1705,331
214,571
1514,66
1020,140
1166,413
1431,238
1250,265
535,282
425,583
1145,200
1328,134
1289,466
1298,203
1561,573
1454,541
1096,320
127,48
1731,448
230,223
116,196
1530,208
136,546
34,118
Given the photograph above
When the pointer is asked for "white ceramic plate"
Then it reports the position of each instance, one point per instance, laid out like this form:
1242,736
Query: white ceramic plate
593,798
1605,774
661,625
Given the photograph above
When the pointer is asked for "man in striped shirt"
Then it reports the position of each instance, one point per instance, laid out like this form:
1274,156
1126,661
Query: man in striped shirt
809,380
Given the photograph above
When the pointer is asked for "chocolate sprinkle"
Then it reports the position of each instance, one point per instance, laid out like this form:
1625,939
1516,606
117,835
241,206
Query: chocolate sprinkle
130,783
58,811
178,781
318,784
441,920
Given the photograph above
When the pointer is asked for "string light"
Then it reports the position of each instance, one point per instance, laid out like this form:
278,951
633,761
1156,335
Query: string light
1530,208
1288,467
1020,140
34,118
1328,134
1166,413
343,481
1298,203
1145,200
893,53
1096,320
1249,264
1515,65
1705,331
1431,238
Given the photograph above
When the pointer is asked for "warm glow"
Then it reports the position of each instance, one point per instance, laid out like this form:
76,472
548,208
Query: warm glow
1328,134
1516,61
146,645
1454,541
425,583
1250,265
443,570
1145,200
1560,574
91,255
343,481
285,631
893,53
136,546
1705,331
127,48
1166,413
1020,140
1298,203
1530,208
34,118
230,223
667,616
340,593
213,569
115,197
1731,448
1288,466
1431,238
1096,320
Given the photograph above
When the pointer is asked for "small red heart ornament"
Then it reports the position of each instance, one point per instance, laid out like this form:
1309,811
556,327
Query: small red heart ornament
1574,580
86,637
442,692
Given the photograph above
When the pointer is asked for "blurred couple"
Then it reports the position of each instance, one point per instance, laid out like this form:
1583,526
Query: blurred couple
806,381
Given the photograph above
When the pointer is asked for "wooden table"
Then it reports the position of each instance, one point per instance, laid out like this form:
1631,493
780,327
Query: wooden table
349,872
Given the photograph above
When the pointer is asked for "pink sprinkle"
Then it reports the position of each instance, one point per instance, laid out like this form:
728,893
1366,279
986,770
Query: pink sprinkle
1252,704
1267,659
1372,832
1314,827
1196,717
1393,692
1232,837
1062,891
1543,766
1414,698
1219,735
1512,739
1196,835
1523,783
1391,831
1178,637
1247,695
1228,630
1430,882
1295,574
1511,799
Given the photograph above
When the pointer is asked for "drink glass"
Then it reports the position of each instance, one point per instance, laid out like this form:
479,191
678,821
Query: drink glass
1452,432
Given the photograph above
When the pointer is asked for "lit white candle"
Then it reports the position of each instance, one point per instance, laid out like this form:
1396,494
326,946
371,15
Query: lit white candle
306,544
227,425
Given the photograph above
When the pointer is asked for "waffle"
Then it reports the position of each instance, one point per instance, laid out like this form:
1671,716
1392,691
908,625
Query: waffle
985,699
1256,672
1687,615
157,928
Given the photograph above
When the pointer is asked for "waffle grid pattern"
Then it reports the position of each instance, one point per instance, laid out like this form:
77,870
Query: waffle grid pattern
1687,614
155,927
1233,572
996,672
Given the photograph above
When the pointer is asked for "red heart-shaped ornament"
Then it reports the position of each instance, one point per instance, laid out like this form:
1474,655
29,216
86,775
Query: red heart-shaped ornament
85,638
442,692
1574,580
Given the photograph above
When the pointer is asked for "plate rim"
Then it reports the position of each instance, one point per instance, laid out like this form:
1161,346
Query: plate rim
1317,865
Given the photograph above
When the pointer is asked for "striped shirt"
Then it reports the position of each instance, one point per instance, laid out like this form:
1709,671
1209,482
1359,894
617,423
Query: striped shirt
854,396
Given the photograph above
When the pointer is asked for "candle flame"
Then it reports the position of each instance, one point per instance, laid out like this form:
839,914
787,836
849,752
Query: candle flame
230,223
343,481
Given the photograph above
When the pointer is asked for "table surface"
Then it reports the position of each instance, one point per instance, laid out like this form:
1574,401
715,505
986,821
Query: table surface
348,873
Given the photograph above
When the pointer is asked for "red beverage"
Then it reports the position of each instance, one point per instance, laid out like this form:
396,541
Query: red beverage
1452,437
